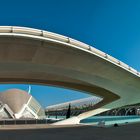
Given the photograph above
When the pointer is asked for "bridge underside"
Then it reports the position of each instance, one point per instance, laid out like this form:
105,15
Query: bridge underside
25,59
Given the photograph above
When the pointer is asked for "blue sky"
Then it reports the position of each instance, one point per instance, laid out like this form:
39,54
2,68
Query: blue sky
112,26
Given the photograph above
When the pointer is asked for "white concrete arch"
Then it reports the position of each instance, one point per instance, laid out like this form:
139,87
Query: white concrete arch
35,56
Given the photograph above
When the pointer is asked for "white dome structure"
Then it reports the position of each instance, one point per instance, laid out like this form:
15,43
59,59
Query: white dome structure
17,104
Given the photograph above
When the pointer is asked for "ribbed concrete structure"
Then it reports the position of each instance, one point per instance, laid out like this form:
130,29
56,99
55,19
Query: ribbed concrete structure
19,104
75,103
15,99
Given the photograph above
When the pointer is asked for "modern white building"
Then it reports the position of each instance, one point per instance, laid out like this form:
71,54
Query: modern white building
76,107
18,104
79,103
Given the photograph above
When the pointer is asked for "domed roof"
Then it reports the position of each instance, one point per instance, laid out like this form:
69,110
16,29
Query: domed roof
14,98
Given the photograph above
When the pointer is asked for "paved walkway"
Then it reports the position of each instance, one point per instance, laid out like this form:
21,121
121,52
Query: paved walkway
128,132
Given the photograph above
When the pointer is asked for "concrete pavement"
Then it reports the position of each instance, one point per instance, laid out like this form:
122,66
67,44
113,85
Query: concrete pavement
128,132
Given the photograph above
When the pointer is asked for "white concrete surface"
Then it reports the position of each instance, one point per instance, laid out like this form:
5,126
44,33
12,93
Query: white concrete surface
41,57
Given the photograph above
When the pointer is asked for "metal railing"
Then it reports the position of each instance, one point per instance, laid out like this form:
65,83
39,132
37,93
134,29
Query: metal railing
25,121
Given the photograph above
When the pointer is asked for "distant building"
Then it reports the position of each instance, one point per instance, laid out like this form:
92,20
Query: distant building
77,106
16,104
